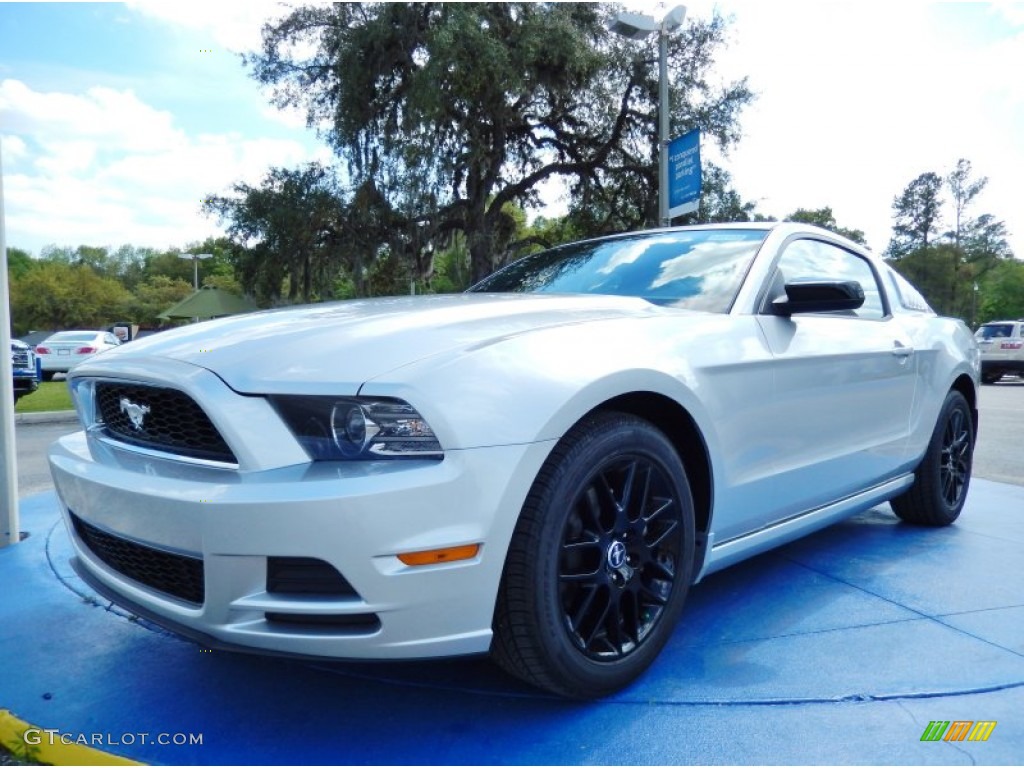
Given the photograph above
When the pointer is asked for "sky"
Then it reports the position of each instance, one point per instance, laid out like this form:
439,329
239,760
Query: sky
117,120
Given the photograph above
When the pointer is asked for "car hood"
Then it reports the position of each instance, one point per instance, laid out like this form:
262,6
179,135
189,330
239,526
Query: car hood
341,345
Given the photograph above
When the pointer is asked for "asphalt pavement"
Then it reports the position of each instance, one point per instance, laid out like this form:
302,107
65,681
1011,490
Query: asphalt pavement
999,454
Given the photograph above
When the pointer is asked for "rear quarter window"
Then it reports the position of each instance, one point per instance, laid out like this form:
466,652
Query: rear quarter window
906,295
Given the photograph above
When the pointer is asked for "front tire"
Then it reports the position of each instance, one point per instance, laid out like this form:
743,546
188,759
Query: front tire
600,562
944,474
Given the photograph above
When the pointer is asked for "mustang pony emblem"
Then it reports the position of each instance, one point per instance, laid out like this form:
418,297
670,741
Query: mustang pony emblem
136,413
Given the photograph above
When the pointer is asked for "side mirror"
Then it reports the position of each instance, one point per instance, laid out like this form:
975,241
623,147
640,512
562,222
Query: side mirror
819,296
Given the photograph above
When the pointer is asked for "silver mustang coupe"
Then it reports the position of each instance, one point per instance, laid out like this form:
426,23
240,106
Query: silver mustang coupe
539,468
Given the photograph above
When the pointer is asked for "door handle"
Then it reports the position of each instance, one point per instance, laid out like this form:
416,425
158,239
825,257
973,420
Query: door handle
901,351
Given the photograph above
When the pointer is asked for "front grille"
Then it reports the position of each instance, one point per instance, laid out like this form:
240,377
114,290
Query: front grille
306,576
167,420
176,575
20,359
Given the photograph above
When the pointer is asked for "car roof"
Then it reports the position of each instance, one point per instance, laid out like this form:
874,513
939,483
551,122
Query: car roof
782,228
81,333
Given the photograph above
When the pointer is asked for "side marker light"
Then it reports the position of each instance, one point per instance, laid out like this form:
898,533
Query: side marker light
435,556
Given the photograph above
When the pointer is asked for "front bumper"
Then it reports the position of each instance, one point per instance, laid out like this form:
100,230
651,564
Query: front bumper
354,516
24,383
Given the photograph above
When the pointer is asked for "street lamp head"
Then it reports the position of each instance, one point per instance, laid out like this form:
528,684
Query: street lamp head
635,26
674,18
196,258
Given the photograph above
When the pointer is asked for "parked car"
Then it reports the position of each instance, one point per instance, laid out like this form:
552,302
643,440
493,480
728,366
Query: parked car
23,361
540,467
1002,349
65,349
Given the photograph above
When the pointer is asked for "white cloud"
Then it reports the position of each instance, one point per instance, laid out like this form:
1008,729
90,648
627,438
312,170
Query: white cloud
855,100
124,174
14,149
234,25
847,119
118,117
290,117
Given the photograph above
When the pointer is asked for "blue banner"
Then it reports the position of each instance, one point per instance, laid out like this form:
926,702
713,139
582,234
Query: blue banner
684,174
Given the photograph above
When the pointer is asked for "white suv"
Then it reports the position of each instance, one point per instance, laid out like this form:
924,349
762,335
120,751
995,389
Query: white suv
1002,349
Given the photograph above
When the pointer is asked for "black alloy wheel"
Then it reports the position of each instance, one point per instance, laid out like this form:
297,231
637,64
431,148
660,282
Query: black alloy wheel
600,562
955,464
944,475
621,549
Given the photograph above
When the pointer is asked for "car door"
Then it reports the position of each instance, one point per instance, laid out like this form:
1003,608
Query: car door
843,384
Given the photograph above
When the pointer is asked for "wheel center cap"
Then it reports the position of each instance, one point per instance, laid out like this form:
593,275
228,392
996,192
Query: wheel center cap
616,555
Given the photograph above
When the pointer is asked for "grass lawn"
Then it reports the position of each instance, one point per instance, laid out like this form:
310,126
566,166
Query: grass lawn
51,396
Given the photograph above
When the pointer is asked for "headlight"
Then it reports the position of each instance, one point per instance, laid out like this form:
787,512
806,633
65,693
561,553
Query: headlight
333,428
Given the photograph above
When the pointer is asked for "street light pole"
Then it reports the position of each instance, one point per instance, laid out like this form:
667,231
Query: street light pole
974,309
637,26
663,218
195,265
10,525
196,257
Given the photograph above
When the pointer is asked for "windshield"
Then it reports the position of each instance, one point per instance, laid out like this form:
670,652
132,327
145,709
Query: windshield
690,269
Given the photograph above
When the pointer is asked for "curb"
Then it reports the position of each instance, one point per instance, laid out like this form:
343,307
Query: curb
51,749
45,417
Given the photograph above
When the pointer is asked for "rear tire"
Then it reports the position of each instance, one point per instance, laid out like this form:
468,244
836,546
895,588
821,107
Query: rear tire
944,474
48,375
600,562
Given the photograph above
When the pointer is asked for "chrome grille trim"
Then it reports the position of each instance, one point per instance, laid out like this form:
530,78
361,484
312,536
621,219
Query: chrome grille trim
100,433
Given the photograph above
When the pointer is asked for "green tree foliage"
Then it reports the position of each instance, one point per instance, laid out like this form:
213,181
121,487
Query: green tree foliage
1001,292
289,227
947,267
918,215
153,296
90,287
58,295
451,111
962,191
18,262
823,217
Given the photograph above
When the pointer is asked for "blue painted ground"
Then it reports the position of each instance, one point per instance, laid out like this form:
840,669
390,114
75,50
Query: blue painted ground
838,649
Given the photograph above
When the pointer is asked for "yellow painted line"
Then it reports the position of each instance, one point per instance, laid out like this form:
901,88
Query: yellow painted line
12,736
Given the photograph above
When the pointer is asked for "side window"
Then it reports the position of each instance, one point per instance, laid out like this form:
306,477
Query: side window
815,260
